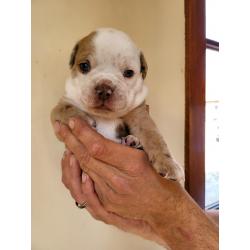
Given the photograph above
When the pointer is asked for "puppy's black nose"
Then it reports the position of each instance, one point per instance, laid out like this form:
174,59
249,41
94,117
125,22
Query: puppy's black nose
104,91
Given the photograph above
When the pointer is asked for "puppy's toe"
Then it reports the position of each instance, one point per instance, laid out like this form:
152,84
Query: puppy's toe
131,141
91,122
166,166
162,174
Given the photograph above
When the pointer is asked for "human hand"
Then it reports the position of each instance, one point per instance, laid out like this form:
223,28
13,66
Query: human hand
82,190
124,180
129,188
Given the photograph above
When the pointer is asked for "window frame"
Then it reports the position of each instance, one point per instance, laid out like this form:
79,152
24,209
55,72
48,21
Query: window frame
195,66
196,44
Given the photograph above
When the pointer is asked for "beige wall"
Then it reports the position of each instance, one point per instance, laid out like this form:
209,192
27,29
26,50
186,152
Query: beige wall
157,26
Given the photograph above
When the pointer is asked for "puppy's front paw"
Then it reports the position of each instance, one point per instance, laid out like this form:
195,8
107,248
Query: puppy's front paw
64,111
131,141
167,167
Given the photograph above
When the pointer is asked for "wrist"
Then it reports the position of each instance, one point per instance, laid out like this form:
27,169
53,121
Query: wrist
179,221
170,199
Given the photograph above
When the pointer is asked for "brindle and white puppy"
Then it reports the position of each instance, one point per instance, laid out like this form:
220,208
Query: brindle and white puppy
106,88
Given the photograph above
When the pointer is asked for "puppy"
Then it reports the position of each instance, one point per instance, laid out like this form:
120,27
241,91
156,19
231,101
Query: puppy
106,88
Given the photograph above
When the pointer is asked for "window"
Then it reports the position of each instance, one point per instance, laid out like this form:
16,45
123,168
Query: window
201,102
212,115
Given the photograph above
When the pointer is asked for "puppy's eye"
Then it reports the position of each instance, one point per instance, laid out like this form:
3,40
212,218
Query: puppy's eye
85,67
128,73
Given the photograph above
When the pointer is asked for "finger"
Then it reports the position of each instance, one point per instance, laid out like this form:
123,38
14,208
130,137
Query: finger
106,177
97,211
57,127
71,142
93,204
65,168
103,189
87,163
103,149
75,181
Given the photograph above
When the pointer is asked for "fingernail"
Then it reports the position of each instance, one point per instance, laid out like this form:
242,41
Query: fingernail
71,123
72,160
66,152
57,126
84,177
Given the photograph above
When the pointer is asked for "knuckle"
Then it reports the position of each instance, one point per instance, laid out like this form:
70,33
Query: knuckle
97,149
63,132
120,183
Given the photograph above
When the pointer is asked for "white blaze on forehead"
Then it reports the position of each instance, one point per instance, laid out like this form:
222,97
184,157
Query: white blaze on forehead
114,46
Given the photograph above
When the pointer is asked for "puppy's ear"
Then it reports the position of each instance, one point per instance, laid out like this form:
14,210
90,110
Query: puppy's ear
144,66
73,56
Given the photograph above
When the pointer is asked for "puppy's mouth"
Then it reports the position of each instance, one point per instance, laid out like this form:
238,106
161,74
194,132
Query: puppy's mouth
98,105
103,107
104,100
108,108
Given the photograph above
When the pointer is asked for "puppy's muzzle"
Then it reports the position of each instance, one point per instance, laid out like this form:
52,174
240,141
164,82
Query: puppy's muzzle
104,91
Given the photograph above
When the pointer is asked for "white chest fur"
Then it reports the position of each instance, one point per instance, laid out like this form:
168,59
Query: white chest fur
108,128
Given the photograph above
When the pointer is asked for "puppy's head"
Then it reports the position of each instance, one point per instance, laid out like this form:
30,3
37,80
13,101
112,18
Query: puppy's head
107,73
